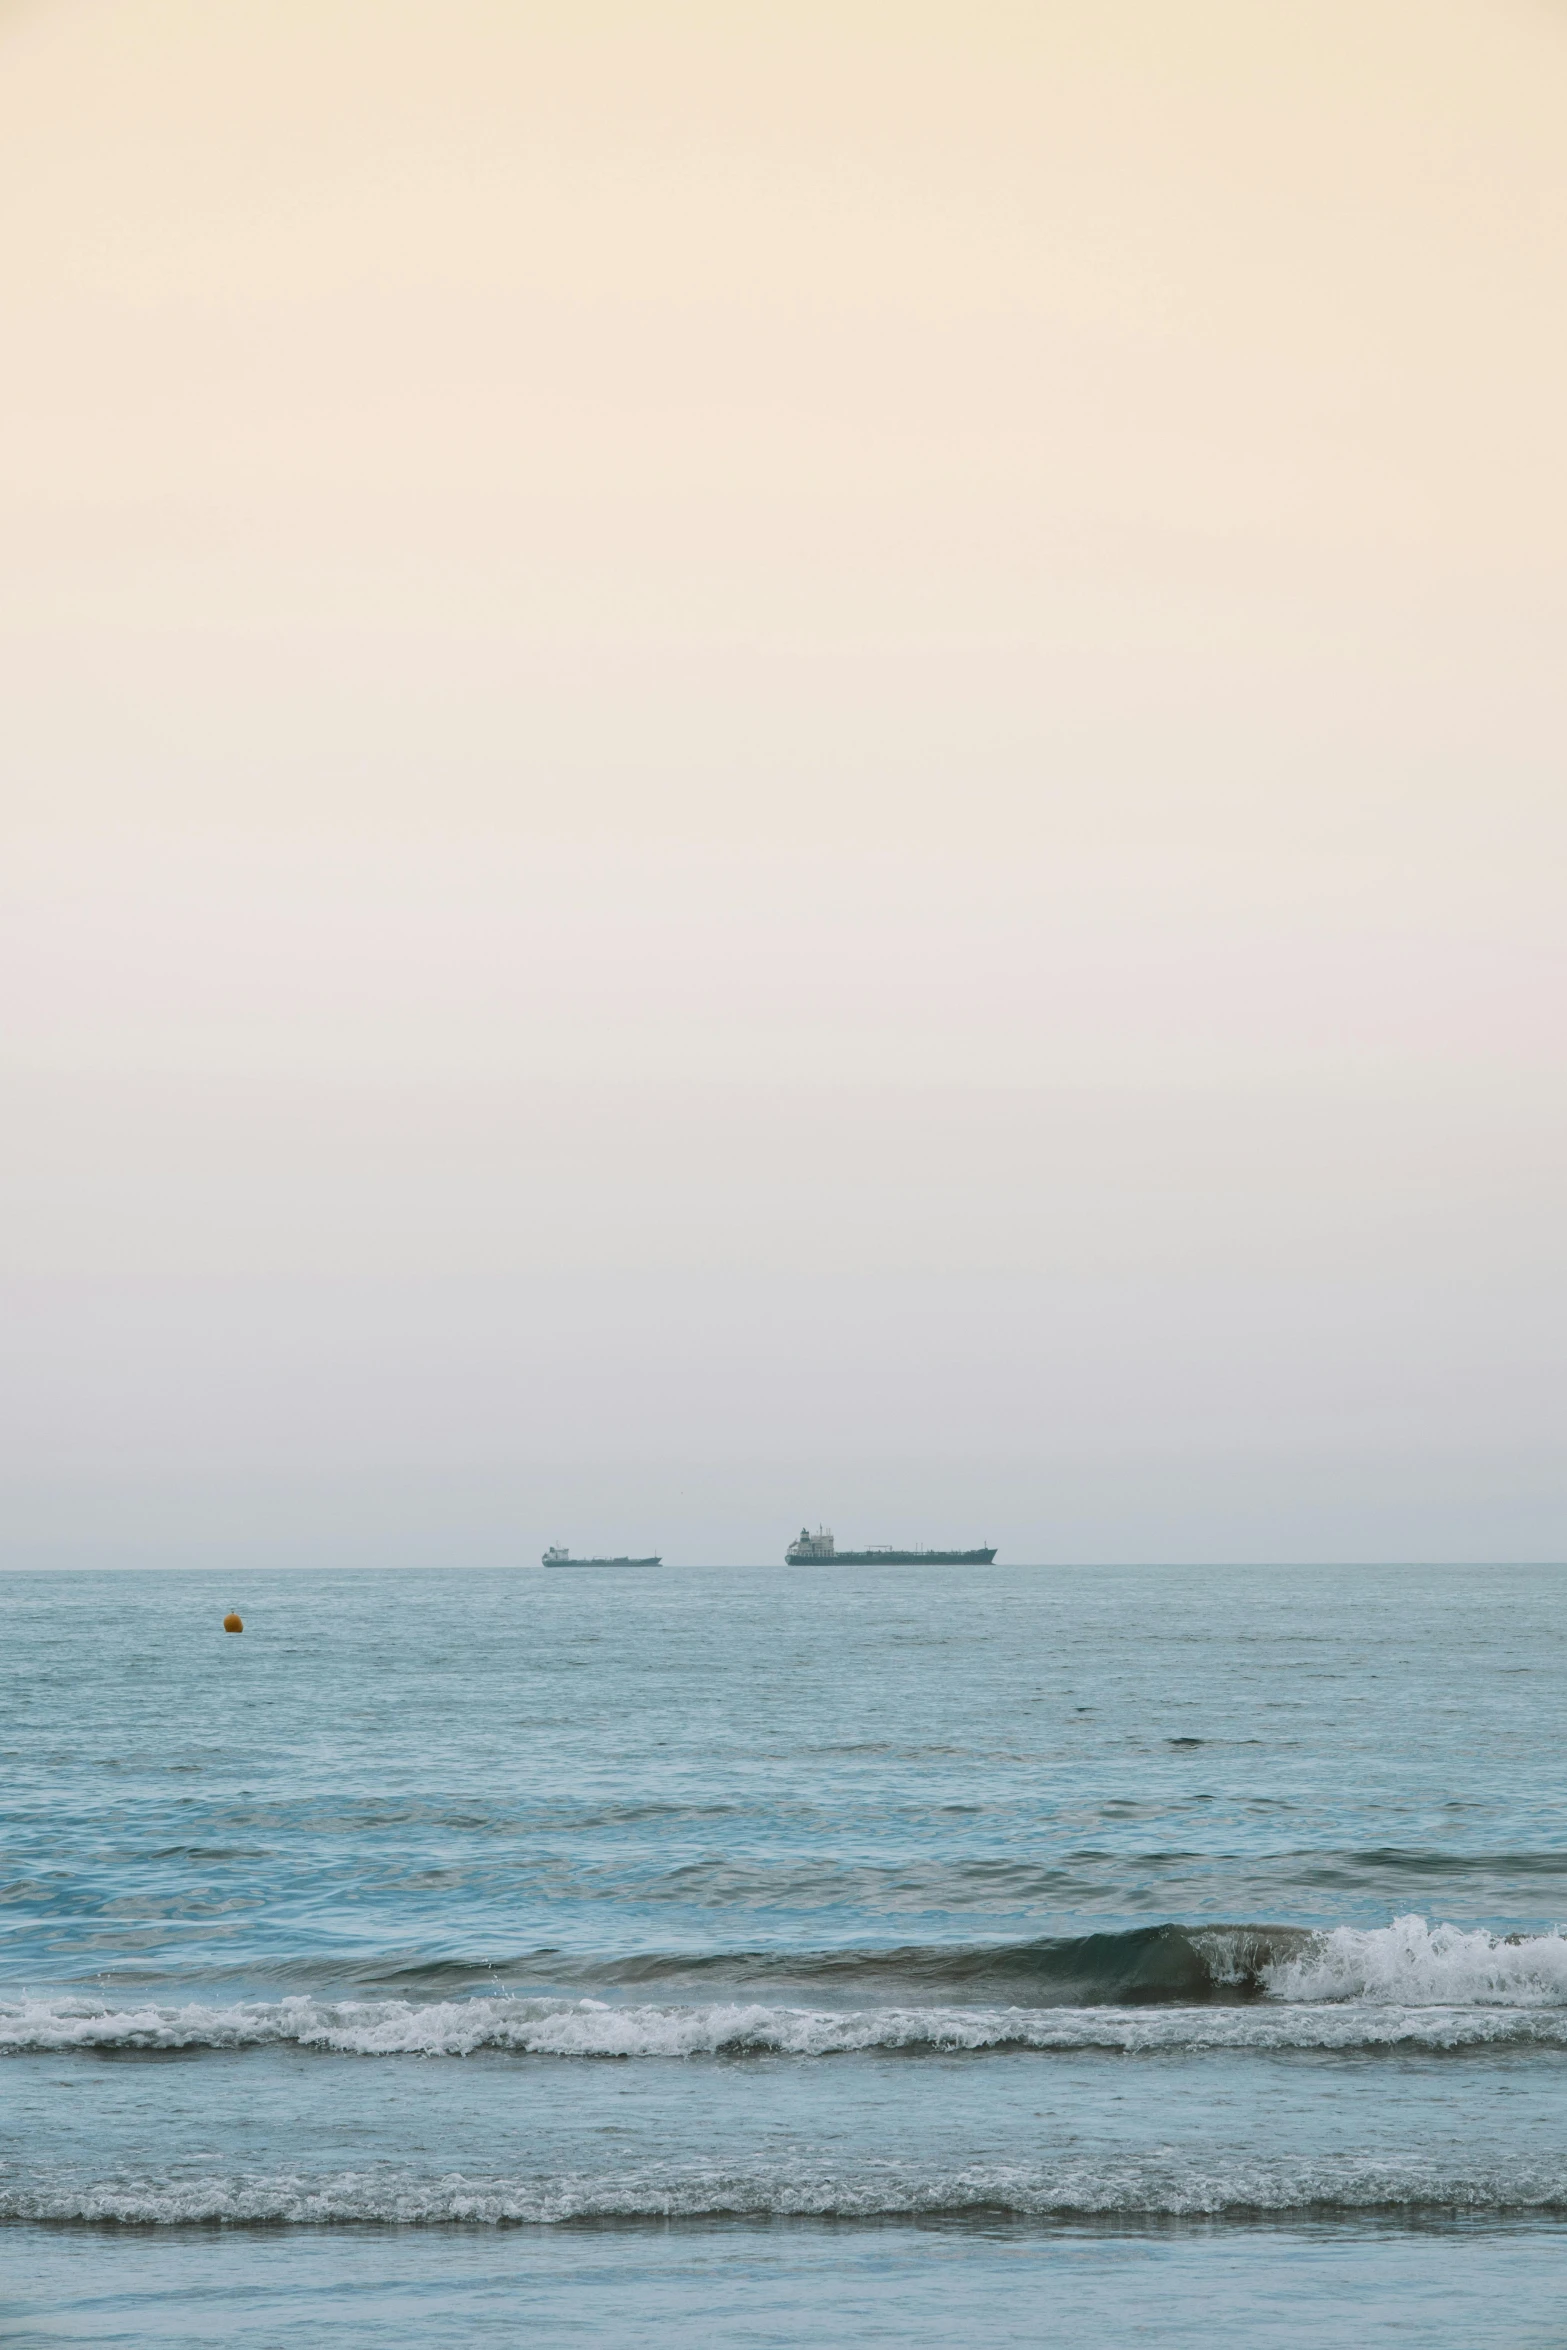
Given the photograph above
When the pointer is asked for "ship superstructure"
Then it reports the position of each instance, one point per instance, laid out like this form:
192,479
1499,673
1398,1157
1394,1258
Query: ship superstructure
810,1546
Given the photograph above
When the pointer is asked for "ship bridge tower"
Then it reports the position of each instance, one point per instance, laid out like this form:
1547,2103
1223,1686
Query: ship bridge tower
810,1546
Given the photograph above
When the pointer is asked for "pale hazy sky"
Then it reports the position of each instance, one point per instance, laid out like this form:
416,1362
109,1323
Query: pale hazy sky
770,761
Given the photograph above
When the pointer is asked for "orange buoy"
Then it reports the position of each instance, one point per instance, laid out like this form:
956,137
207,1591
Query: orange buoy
232,1623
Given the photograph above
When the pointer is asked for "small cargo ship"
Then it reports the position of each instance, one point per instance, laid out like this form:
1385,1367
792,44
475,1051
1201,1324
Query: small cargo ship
563,1558
820,1549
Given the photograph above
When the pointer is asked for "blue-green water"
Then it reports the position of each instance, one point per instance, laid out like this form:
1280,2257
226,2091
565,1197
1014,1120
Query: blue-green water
847,1955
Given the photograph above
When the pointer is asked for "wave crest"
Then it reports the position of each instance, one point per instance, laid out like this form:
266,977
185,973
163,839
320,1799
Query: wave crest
1412,1964
1125,2187
1407,1984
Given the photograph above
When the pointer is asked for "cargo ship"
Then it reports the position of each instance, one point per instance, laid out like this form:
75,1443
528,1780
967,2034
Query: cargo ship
563,1558
819,1549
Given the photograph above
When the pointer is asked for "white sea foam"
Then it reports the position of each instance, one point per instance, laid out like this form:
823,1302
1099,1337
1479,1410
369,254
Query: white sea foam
1322,2017
1410,1964
1154,2186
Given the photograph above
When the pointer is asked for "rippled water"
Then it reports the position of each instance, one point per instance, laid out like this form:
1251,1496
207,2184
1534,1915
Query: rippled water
845,1954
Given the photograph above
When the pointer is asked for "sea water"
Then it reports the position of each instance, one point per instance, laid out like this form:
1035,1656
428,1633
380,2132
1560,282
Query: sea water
784,1956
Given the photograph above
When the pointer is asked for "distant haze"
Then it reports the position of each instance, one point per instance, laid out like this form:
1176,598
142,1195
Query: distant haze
781,762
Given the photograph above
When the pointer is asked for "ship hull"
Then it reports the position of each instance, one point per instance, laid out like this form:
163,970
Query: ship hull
898,1558
652,1562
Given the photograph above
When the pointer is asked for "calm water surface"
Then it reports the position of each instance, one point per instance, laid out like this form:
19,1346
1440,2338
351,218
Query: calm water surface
829,1955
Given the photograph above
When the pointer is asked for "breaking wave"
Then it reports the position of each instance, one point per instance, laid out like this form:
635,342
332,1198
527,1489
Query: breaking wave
1412,1964
1404,1985
1408,1962
1125,2187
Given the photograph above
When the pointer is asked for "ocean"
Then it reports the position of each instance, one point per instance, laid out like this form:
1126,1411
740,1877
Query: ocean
784,1956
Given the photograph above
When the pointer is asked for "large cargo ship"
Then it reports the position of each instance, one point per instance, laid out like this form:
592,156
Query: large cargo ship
563,1558
820,1548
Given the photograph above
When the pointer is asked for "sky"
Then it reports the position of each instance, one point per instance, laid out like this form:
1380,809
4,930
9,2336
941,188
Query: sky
771,762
